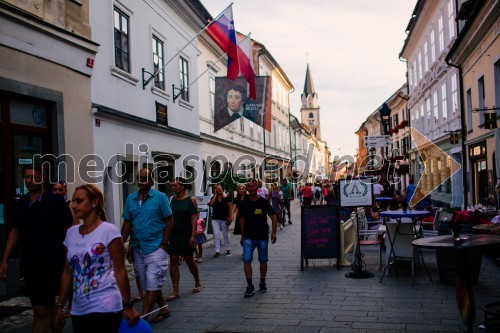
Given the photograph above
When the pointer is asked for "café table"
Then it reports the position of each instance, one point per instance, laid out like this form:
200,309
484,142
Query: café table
384,201
398,215
464,294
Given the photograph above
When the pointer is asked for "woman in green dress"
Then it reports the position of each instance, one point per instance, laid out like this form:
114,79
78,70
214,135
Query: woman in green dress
181,244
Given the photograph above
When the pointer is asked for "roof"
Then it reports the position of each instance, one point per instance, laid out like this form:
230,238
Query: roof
308,84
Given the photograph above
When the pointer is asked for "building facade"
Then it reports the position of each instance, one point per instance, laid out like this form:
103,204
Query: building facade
153,120
477,54
434,100
47,56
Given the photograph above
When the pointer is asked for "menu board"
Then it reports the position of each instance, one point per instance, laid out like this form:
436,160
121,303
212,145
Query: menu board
320,233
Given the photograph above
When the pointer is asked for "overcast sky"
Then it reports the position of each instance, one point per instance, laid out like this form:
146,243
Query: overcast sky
353,51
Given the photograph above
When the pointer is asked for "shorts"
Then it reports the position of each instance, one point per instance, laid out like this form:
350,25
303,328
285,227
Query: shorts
151,268
42,285
97,322
249,246
286,203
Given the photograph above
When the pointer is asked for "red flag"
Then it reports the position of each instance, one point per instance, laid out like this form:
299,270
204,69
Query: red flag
223,33
245,61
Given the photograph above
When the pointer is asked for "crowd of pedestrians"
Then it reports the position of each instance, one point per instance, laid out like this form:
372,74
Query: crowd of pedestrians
74,257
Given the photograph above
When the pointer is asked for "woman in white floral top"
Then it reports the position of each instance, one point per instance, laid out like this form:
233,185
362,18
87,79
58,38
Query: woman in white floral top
95,271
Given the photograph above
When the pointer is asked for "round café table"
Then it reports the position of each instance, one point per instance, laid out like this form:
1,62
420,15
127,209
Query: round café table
465,296
384,201
417,232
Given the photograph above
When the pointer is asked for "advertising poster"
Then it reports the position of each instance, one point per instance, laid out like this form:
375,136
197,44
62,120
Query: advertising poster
231,102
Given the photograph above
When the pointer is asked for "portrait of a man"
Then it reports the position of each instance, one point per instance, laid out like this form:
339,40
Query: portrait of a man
231,103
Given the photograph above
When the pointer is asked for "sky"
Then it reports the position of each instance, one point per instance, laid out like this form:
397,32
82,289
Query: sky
352,47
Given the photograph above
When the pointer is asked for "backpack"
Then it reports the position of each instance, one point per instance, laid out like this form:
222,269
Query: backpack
317,193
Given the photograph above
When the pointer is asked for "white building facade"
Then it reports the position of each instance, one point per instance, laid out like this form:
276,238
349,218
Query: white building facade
434,93
138,124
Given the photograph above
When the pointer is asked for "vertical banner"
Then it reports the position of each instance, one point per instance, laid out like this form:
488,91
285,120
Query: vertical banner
231,102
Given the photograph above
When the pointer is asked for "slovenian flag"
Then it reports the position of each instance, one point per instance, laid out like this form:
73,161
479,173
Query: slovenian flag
245,61
223,33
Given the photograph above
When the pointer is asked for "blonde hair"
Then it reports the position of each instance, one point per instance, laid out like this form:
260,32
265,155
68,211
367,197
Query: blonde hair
94,193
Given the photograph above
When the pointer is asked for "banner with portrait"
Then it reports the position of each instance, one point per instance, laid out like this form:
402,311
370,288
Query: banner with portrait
231,102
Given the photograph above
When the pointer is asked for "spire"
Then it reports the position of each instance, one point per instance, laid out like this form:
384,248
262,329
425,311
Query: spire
308,85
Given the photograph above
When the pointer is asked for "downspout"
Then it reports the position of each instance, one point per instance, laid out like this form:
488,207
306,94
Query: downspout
463,132
290,132
262,167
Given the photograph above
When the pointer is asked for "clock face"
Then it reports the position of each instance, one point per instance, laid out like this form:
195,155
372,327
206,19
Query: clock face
38,115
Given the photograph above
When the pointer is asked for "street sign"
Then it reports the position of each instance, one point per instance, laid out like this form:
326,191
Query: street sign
377,141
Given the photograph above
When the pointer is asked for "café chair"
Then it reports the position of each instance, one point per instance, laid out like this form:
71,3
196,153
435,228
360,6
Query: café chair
369,237
398,238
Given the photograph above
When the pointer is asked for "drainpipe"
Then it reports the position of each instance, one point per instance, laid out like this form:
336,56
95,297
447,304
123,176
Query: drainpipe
463,132
290,130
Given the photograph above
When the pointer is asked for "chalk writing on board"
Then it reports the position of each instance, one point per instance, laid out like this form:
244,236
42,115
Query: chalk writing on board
320,231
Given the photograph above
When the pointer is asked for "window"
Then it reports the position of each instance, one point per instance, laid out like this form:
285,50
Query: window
454,94
420,65
441,33
496,75
211,87
422,117
429,121
251,129
436,107
121,30
259,133
451,20
242,125
468,101
158,63
433,47
184,76
426,57
275,134
396,120
444,108
481,98
412,76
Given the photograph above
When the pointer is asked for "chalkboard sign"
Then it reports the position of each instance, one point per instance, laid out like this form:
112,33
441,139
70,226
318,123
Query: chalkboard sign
320,233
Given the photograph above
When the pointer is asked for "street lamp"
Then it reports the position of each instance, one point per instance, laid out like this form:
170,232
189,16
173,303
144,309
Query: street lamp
385,113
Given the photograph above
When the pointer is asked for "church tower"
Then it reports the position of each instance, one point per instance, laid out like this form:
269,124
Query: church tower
310,108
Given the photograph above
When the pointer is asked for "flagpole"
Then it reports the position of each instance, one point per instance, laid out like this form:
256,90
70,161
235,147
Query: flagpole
146,82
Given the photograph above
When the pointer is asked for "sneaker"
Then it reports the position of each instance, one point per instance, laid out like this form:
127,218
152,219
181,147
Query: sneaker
281,226
249,291
289,222
263,287
228,253
216,254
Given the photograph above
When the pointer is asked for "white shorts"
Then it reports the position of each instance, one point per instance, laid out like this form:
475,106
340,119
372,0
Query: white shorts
151,269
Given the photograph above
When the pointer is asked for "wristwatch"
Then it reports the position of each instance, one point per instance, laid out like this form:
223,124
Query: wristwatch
129,304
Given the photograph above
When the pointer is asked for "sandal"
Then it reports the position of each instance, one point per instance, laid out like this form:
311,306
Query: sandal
197,290
161,317
171,298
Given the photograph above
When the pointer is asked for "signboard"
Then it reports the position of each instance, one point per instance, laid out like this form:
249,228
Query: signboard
320,233
377,141
356,193
161,114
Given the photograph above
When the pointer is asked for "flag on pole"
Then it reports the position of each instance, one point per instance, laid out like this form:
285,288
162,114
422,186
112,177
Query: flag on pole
223,33
245,61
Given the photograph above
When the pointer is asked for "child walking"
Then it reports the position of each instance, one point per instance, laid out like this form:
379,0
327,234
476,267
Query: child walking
199,239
